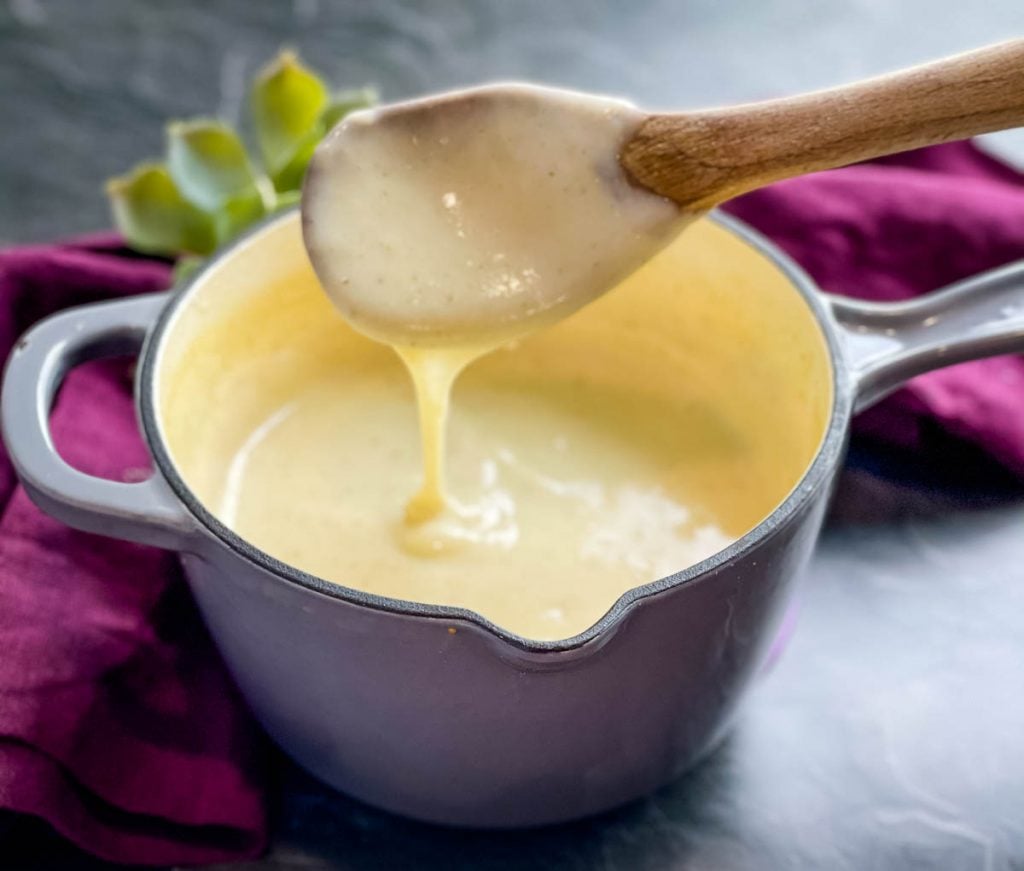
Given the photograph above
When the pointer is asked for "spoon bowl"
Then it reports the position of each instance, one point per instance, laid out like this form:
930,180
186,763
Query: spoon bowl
472,217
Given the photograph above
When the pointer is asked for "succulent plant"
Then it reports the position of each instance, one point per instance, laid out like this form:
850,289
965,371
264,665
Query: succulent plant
209,189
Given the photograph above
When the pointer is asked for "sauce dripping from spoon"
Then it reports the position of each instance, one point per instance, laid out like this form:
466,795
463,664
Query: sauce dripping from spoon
448,226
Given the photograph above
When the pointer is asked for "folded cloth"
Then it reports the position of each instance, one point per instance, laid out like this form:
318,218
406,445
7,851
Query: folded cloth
897,228
118,723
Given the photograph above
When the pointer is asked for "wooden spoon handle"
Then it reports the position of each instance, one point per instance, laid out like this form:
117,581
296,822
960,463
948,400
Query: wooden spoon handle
702,158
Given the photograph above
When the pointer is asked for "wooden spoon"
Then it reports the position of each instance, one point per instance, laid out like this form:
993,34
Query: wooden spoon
471,217
700,159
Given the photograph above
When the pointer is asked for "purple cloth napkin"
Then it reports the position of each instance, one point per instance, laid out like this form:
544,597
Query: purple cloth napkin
118,723
897,228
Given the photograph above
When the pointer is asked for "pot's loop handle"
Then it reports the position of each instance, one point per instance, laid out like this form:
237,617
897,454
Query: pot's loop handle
887,344
146,512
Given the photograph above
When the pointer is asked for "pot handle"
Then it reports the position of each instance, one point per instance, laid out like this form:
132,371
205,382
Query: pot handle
887,344
146,512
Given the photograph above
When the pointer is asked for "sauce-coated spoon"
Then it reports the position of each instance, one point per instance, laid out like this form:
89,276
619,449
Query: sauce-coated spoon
469,218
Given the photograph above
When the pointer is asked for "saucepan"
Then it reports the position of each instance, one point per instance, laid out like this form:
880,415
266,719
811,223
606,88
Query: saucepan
436,712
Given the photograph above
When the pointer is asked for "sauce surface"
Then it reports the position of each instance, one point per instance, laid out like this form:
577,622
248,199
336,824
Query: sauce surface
620,445
561,505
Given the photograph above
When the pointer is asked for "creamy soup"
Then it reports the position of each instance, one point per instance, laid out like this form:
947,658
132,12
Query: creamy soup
629,441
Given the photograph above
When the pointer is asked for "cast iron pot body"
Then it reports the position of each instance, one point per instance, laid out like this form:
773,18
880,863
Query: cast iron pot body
434,712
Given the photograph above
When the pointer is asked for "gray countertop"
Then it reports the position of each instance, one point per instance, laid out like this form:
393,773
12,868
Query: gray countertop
891,733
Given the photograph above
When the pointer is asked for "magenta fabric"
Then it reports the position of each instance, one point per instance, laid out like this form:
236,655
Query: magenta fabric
118,723
900,227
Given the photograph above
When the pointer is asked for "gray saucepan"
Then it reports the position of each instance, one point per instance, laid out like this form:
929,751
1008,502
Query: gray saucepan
482,727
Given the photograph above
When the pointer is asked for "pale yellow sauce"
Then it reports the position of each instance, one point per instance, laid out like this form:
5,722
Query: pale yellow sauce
433,522
433,374
625,443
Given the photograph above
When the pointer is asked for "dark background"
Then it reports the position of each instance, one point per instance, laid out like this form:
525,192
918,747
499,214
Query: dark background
86,86
891,734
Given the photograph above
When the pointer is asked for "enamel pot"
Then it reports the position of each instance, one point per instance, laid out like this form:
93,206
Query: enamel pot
435,712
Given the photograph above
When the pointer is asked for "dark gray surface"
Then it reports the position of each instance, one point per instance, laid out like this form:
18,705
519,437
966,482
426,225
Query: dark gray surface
891,734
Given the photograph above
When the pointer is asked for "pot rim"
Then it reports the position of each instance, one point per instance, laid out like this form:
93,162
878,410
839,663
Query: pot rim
818,472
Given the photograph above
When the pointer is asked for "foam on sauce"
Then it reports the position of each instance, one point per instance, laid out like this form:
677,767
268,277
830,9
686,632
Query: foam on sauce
445,227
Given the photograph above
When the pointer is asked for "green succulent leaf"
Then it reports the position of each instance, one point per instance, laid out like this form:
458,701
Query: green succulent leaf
287,103
236,214
154,217
185,267
209,190
345,102
209,163
287,199
289,177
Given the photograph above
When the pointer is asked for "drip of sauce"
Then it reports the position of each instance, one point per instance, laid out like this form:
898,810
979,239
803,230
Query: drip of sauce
445,227
433,522
433,374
